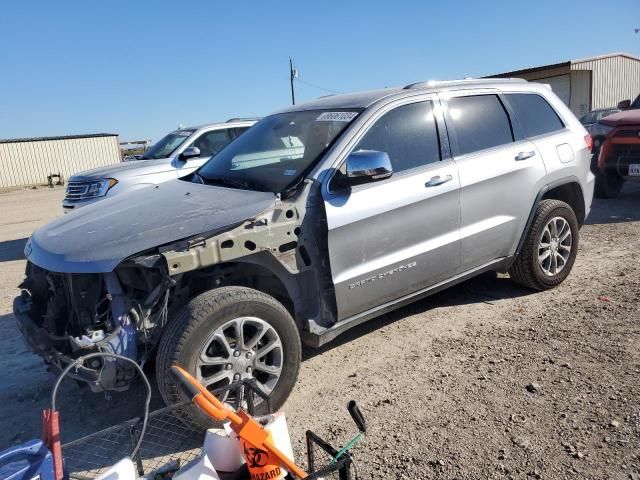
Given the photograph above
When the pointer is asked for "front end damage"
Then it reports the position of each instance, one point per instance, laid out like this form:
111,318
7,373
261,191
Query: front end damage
280,251
64,316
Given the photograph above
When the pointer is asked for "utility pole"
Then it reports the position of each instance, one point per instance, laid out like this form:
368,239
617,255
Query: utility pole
293,73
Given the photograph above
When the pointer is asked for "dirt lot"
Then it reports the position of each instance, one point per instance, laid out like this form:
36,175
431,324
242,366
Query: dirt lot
486,380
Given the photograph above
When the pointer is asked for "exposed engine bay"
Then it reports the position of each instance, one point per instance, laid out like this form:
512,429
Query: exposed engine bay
70,315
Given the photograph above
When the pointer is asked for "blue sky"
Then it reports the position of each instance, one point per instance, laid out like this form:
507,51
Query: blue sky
141,68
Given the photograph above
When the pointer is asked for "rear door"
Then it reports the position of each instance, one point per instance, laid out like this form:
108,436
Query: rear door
393,237
499,176
541,125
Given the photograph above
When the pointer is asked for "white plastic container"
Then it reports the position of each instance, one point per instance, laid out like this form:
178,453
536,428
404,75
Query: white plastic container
123,470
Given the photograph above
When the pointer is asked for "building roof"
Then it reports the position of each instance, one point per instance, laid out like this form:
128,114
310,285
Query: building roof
64,137
566,63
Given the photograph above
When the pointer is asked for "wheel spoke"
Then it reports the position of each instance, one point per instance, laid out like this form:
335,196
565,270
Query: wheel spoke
222,339
238,331
542,257
217,377
212,361
268,348
255,339
271,369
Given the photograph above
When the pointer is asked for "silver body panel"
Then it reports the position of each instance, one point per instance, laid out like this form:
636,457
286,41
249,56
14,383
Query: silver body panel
390,240
97,238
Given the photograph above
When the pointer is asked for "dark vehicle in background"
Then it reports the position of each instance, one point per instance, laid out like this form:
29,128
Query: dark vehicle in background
594,116
616,142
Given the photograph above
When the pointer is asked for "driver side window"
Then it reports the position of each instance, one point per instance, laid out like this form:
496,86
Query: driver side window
212,142
408,134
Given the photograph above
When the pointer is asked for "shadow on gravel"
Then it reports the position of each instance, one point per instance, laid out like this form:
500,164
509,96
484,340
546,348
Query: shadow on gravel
12,250
486,288
625,208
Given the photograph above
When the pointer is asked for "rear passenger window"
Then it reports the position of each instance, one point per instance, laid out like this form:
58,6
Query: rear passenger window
535,115
408,134
479,122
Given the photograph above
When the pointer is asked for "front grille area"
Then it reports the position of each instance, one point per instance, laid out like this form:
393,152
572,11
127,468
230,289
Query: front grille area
76,190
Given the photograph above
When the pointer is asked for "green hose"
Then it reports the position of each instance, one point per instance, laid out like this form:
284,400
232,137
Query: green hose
347,447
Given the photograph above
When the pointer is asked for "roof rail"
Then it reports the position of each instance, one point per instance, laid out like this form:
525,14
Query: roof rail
243,119
466,81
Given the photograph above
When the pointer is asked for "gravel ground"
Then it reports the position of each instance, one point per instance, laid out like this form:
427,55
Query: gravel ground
485,380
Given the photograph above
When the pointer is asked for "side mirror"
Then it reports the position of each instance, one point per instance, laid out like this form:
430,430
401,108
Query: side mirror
190,152
366,166
624,104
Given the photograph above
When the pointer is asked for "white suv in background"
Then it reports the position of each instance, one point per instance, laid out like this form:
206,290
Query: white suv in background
177,154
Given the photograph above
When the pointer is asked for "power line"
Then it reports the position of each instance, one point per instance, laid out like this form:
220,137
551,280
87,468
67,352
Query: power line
317,86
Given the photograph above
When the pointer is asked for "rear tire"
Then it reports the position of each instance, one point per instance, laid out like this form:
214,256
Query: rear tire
608,185
549,249
204,339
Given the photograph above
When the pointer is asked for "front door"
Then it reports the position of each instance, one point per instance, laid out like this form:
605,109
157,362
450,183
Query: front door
393,237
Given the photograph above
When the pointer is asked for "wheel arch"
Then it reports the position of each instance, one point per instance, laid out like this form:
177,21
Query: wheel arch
567,190
303,294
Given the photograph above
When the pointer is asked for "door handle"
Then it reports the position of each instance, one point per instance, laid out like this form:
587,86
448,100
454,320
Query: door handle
524,155
438,180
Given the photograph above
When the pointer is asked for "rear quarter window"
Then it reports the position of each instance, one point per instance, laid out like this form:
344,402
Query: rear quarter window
534,114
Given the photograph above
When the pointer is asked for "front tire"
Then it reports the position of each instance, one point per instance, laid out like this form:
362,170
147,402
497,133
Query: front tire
549,249
227,334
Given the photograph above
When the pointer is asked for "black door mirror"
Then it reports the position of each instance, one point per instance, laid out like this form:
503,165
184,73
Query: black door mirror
366,166
190,152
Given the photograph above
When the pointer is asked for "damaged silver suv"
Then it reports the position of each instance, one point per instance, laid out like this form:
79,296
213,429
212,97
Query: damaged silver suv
317,219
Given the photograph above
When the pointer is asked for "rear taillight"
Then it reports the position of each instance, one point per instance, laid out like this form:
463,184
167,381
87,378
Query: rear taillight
589,141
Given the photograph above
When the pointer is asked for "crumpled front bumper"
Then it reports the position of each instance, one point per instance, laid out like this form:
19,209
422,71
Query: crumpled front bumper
40,342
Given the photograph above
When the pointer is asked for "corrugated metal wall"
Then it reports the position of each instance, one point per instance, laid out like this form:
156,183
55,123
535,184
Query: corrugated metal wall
613,79
30,161
580,92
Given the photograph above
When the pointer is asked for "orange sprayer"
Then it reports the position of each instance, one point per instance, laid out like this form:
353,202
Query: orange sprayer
263,458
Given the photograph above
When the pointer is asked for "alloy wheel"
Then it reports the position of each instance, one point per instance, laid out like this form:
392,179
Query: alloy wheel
245,347
554,247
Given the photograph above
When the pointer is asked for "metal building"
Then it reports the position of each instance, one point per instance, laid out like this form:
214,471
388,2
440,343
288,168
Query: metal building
588,83
29,161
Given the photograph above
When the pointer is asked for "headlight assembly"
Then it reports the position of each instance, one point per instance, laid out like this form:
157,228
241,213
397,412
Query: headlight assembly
81,190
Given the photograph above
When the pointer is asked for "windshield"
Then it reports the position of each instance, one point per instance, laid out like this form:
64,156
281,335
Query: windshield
277,151
165,147
636,103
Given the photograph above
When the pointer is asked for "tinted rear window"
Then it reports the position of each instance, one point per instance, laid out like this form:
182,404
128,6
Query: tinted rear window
479,122
535,115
